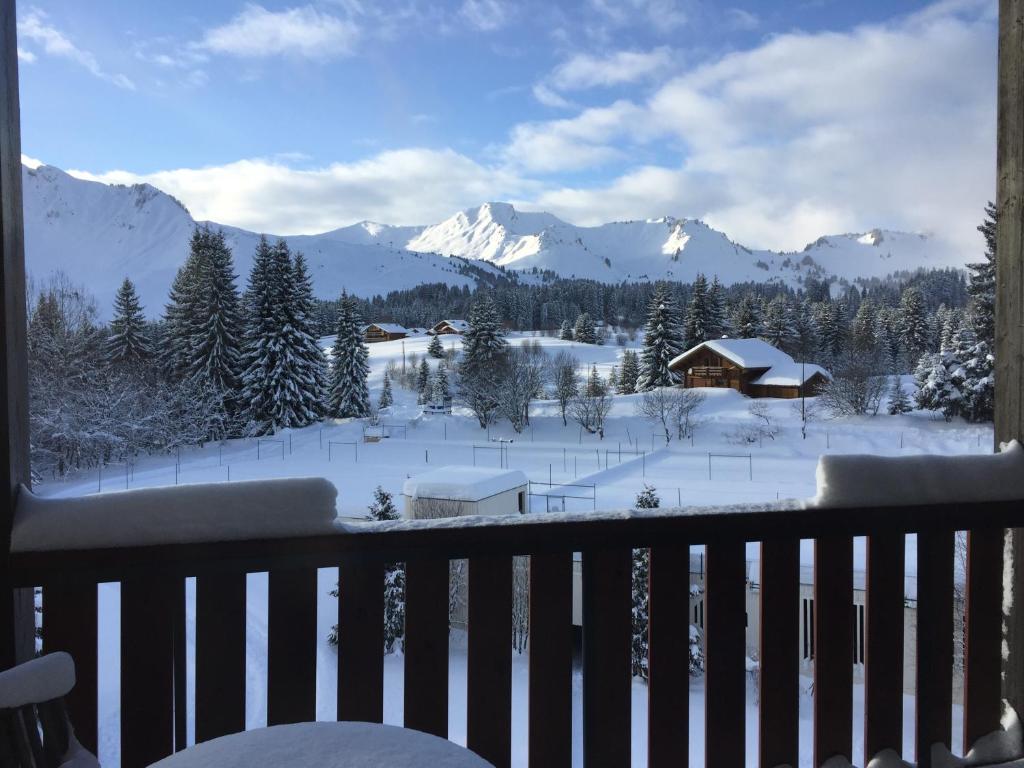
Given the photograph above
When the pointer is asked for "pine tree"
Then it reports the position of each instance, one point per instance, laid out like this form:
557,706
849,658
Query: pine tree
435,348
747,318
662,341
128,344
629,373
778,328
899,403
263,300
584,331
982,285
863,332
386,398
566,332
311,363
214,357
440,391
914,331
182,310
423,382
646,499
698,325
483,343
716,310
349,396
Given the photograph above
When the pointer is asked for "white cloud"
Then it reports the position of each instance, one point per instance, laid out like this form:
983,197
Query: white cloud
547,97
305,32
663,17
587,71
34,26
410,186
31,162
887,125
485,15
742,20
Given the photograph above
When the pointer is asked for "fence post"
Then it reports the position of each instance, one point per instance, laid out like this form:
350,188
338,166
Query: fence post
751,460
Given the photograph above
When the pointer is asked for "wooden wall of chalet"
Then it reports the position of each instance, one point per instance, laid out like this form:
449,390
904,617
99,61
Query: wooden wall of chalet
704,364
374,334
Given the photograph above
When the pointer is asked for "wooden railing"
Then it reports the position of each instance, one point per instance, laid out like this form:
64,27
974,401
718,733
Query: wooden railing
707,371
152,613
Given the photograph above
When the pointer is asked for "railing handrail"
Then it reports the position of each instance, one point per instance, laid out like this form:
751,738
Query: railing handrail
537,533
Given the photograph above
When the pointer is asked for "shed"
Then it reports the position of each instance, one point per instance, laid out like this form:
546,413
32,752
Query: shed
456,491
450,326
384,332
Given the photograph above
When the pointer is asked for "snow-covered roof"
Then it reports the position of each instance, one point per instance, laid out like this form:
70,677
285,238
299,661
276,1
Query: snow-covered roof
388,327
746,353
463,483
459,325
791,374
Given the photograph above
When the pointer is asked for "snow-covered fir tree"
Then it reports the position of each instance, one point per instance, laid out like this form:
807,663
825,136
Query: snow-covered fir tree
864,328
128,343
777,327
435,349
182,309
584,331
349,395
310,361
423,382
484,341
646,499
386,397
982,283
805,342
629,373
899,403
440,389
746,319
915,334
716,310
663,341
697,327
263,327
565,334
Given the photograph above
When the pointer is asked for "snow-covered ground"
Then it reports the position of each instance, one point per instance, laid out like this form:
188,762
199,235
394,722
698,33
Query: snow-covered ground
630,454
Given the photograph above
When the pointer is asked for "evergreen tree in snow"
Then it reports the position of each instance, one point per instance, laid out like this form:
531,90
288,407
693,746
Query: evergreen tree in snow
805,342
435,349
899,403
386,398
565,334
423,382
484,342
914,331
262,345
716,310
349,396
663,341
311,363
982,285
440,390
584,331
746,320
697,327
777,327
128,344
646,499
629,373
864,328
214,356
181,311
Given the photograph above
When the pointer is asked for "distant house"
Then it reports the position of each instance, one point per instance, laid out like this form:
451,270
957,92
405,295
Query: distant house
450,326
456,491
375,332
750,366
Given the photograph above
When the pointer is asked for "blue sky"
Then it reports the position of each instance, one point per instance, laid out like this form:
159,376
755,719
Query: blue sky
776,121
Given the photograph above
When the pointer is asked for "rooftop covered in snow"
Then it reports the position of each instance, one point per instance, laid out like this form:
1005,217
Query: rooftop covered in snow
778,368
459,483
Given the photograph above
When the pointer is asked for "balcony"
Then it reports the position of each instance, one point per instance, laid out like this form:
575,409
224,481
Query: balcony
153,702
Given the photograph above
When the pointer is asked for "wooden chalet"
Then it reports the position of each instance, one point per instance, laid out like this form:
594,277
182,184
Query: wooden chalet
750,366
375,332
450,327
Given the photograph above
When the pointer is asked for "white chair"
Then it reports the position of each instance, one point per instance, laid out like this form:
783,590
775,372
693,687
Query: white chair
34,728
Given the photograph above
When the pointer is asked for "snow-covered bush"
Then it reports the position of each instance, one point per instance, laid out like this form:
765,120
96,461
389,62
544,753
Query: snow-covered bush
646,499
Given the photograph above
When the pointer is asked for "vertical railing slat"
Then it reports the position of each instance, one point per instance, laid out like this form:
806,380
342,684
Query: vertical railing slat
291,646
983,634
489,660
883,664
668,685
70,623
725,655
426,646
779,687
147,668
550,697
220,655
833,648
934,716
361,641
607,673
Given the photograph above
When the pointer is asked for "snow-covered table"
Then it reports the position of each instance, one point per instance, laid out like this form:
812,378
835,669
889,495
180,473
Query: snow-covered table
326,745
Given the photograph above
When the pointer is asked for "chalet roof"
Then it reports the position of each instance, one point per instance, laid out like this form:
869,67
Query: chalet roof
778,368
387,327
791,374
458,325
463,483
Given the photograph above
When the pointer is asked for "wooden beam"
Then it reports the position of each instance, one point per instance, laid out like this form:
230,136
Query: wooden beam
1009,352
17,637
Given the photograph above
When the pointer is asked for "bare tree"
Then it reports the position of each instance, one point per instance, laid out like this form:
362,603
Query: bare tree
656,404
856,389
565,381
590,406
685,403
522,380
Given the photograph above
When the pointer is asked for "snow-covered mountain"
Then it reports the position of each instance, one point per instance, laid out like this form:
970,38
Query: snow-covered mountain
99,233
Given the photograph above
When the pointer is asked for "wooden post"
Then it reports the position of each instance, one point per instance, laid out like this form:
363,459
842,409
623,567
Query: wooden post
1009,373
17,635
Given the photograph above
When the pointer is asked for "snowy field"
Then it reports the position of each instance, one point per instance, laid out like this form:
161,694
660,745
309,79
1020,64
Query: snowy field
710,469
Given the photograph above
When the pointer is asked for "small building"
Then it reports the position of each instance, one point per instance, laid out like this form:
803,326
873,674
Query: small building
457,491
750,366
449,326
375,332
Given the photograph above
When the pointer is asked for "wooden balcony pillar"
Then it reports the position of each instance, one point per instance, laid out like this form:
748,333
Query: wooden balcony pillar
17,621
1009,350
